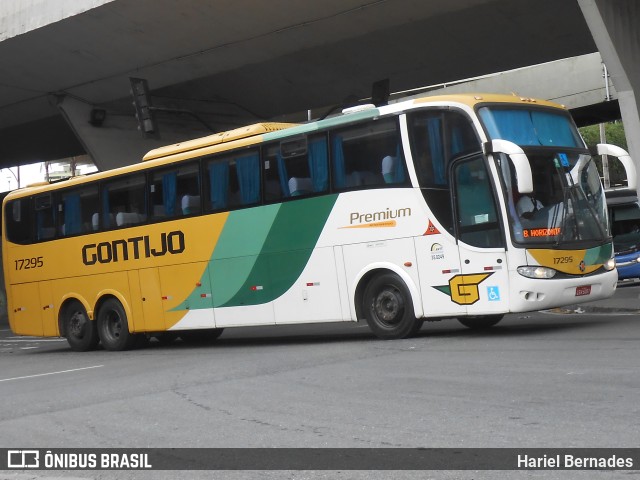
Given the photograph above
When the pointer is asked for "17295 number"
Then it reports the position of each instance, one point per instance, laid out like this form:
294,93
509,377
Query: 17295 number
28,263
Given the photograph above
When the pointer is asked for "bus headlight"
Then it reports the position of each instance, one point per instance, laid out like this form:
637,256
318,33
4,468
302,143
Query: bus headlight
536,272
610,264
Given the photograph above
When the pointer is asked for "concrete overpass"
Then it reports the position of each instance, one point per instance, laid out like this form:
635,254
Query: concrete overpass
224,64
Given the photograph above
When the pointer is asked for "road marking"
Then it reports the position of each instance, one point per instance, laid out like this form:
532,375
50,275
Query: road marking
50,373
30,340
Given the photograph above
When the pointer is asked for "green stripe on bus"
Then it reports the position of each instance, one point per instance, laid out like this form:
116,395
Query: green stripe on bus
286,251
239,246
261,252
241,241
321,125
598,255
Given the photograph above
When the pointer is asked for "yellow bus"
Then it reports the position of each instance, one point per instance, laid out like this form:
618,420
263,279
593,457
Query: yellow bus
462,206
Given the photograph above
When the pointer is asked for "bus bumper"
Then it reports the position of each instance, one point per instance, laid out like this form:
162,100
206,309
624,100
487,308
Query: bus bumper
528,294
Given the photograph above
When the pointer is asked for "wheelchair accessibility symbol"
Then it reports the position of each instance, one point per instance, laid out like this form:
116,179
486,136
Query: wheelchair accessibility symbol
493,293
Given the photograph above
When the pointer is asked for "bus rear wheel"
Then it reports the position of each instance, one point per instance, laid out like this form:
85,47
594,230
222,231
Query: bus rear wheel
113,327
388,308
480,323
81,332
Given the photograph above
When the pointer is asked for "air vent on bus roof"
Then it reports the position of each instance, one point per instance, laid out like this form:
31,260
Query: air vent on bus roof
358,108
217,138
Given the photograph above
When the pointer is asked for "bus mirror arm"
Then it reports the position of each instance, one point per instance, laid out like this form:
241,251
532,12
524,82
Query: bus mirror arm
625,159
518,159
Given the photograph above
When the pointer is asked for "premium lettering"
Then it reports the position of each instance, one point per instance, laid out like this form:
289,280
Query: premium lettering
134,248
357,217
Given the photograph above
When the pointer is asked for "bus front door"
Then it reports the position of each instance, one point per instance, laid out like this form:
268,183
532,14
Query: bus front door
438,266
483,280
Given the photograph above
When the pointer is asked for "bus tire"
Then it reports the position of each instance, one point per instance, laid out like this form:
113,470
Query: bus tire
388,308
113,327
480,323
81,332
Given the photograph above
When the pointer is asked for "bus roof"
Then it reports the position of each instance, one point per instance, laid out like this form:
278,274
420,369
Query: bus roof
270,127
473,99
216,138
268,131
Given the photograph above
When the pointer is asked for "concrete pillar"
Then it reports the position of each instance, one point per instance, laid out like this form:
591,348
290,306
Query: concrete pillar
114,143
613,24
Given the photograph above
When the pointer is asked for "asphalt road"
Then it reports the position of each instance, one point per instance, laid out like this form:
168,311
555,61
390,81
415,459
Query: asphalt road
564,379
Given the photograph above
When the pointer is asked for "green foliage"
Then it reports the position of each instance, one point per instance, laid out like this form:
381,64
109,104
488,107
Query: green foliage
614,133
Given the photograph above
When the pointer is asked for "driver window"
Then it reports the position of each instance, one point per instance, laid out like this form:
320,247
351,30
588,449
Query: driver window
476,212
438,137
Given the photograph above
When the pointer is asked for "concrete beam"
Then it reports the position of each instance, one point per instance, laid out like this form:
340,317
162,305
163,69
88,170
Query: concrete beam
22,16
115,143
613,24
574,82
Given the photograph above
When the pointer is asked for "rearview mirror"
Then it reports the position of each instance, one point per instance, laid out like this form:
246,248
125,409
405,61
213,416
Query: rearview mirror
625,159
519,160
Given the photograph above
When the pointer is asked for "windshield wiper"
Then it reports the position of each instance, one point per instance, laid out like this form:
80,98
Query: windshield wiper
571,188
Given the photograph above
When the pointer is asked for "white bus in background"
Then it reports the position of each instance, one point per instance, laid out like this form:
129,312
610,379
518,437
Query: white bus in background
624,214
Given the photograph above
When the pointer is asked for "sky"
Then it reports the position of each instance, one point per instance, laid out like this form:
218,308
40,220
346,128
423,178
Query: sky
28,174
31,173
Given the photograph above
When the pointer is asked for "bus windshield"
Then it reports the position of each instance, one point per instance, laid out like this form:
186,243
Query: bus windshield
530,127
567,204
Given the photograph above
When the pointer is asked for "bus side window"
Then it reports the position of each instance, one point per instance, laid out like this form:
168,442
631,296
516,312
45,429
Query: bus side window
77,209
304,169
44,206
19,218
247,167
124,202
461,136
232,181
175,192
273,187
296,167
217,185
436,137
368,155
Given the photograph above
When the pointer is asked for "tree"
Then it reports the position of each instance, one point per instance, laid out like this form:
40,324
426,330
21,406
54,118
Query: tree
614,133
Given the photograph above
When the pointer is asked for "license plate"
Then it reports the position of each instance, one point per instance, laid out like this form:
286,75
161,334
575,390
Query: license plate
584,290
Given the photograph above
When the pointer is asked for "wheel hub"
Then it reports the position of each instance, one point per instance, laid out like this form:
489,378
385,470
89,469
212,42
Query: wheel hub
115,325
388,306
77,325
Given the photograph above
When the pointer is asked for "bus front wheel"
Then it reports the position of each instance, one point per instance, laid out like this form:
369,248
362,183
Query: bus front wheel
480,323
113,327
81,332
388,308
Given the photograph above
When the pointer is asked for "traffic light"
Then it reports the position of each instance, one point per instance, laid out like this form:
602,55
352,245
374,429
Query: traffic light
142,104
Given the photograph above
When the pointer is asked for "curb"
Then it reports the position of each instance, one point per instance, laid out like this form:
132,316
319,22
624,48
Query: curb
581,309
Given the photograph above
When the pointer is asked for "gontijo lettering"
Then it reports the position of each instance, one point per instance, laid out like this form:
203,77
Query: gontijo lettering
118,250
